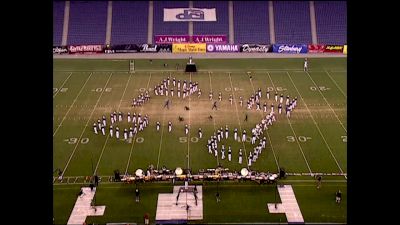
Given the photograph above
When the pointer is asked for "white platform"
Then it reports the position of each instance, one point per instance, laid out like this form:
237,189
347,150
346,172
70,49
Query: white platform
82,207
288,206
168,210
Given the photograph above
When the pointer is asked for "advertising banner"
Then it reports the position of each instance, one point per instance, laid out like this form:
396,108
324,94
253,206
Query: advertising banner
189,14
60,49
148,48
219,39
129,48
189,48
296,49
255,48
316,48
222,48
169,39
164,48
334,48
345,49
85,49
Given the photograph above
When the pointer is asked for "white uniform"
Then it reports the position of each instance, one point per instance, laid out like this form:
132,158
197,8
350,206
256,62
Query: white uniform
235,134
244,136
200,133
111,131
129,117
229,154
305,65
226,133
103,131
186,130
240,156
158,126
117,133
169,126
130,132
125,134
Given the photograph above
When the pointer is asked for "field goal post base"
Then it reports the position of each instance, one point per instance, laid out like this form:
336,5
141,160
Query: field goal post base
131,66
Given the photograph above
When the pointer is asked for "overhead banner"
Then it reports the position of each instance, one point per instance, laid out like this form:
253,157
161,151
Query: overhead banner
85,49
255,48
220,39
345,49
60,49
189,48
189,14
296,49
316,48
222,48
334,48
169,39
130,48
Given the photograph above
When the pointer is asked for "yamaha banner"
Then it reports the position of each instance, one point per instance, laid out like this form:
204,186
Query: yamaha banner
222,48
60,49
295,49
255,48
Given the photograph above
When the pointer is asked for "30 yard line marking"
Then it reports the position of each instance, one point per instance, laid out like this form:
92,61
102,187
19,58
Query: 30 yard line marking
326,101
237,115
270,142
209,75
336,84
162,132
134,137
108,135
316,125
62,85
83,131
294,133
79,93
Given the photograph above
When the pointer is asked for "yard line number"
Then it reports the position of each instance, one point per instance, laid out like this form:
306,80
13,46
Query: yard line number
61,90
192,139
344,138
300,138
277,89
235,89
321,88
101,90
74,140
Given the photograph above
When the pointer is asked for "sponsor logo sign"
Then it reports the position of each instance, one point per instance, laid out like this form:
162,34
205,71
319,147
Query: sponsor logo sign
60,49
148,48
164,48
189,14
169,39
316,48
255,48
189,48
334,48
296,49
345,49
221,39
222,48
130,48
85,48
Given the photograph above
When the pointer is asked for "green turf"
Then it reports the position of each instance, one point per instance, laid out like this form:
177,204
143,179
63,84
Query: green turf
98,87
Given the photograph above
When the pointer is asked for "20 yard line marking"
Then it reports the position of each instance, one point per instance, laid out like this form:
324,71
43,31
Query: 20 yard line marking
237,115
209,75
270,143
336,84
326,101
83,131
134,137
62,85
316,125
80,91
294,133
108,135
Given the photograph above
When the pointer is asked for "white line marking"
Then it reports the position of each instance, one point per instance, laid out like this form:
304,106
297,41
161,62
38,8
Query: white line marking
190,129
80,91
83,131
62,85
237,115
215,127
316,125
336,84
326,101
162,132
294,133
108,135
134,137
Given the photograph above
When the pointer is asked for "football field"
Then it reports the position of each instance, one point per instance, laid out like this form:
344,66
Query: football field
313,140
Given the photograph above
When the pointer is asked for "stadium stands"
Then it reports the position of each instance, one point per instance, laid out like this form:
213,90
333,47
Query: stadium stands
221,26
169,28
58,21
251,23
331,22
292,22
129,22
87,22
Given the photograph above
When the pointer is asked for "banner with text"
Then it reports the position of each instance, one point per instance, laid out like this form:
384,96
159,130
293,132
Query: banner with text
218,39
255,48
189,14
296,49
345,49
169,39
222,48
189,48
85,49
316,48
334,48
60,49
129,48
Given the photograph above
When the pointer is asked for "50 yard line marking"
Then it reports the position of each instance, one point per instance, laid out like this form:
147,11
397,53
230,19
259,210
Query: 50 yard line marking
326,101
294,133
209,75
69,109
83,131
316,125
134,137
190,128
108,135
237,115
336,84
270,143
62,85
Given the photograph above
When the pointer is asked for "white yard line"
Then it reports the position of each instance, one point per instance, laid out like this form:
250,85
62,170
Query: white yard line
270,142
134,137
237,115
294,133
215,127
62,85
316,125
108,135
336,84
190,128
83,131
80,91
325,101
162,132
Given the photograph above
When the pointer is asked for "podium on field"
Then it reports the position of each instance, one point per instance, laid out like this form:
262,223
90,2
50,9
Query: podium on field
190,66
